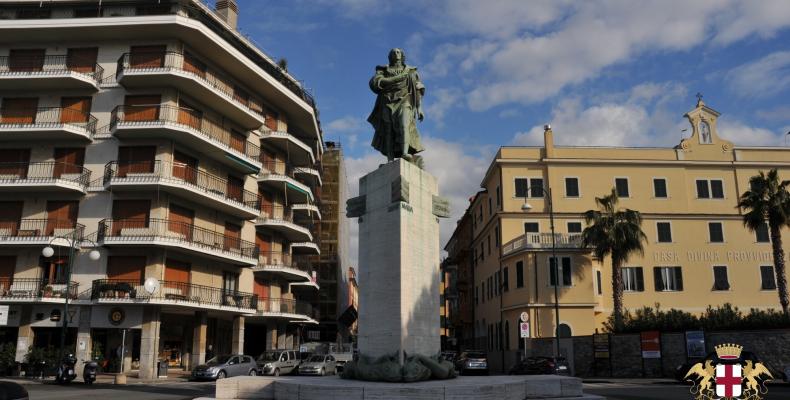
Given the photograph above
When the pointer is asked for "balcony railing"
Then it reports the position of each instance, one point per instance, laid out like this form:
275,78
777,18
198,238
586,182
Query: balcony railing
23,66
147,115
179,292
277,212
158,170
43,172
285,306
173,61
543,241
46,118
33,228
279,259
154,228
36,288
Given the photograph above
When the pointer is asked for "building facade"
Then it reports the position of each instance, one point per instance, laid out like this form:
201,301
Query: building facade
332,263
697,252
457,289
157,134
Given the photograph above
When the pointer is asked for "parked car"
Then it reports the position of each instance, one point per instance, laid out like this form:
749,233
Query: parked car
541,366
319,364
225,366
278,362
472,361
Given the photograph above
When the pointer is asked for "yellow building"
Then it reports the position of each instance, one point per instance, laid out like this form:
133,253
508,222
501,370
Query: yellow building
697,253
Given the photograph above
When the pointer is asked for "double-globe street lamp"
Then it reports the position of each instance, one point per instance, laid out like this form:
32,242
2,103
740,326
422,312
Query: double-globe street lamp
73,240
545,192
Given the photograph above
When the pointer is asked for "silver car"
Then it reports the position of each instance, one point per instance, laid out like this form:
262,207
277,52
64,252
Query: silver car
225,366
278,362
319,365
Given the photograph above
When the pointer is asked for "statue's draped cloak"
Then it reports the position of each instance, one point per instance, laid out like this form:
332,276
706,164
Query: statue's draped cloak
395,112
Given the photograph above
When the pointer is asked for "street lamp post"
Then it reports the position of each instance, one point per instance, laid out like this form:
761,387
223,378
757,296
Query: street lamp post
49,252
546,191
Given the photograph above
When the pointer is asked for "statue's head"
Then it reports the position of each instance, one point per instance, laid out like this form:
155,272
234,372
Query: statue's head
396,55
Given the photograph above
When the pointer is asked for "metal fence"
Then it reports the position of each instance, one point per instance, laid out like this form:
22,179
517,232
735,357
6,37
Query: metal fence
172,291
46,117
35,288
29,65
42,172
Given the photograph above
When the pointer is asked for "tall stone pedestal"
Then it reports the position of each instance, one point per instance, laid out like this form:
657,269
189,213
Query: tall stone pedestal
398,209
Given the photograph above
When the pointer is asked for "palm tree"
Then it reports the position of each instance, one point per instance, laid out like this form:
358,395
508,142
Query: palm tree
769,201
615,232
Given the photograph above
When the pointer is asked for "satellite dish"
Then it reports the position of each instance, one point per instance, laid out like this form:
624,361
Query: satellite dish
151,285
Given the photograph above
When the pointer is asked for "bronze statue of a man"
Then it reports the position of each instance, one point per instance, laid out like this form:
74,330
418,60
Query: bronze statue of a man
398,106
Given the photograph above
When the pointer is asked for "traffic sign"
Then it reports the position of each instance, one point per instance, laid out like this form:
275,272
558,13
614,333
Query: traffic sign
525,329
524,317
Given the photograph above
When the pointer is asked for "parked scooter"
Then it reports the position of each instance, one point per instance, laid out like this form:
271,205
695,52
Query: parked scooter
66,372
89,372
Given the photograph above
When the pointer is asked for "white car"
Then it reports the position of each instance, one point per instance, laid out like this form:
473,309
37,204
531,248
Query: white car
319,364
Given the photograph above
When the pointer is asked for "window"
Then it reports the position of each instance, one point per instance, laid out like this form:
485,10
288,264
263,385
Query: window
564,270
520,274
496,236
715,232
660,188
574,227
230,281
599,286
498,197
529,187
490,287
482,251
507,335
621,185
762,234
491,336
664,232
768,278
488,239
633,279
720,281
483,291
710,189
490,208
505,283
497,283
564,331
531,227
668,279
571,187
477,295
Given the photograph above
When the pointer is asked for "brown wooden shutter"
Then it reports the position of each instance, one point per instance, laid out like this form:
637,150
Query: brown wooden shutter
68,161
271,120
7,267
19,110
193,65
61,214
75,109
26,60
189,115
185,167
128,268
235,188
241,95
130,214
136,159
261,288
232,236
10,216
142,108
237,141
14,162
181,220
82,59
147,56
177,271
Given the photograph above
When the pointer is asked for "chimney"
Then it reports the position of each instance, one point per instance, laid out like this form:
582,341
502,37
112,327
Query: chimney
548,141
228,11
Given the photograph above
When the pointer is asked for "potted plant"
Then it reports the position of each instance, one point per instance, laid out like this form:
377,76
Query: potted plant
48,291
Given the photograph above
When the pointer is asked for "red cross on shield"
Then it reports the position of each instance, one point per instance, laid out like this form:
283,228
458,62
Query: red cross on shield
728,380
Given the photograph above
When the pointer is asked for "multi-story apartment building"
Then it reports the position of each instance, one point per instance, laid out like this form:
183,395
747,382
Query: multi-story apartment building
332,264
697,252
157,134
457,290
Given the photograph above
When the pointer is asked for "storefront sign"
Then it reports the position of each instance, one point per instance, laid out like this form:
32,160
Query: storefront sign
712,256
50,316
695,344
601,345
116,316
651,344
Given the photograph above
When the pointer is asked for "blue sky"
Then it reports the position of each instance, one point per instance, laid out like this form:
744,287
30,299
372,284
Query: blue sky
601,72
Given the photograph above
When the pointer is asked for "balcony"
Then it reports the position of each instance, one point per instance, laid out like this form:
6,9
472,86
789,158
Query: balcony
114,291
285,308
40,232
280,219
306,211
29,290
279,176
299,152
48,72
283,265
43,176
190,76
542,241
187,127
310,175
179,236
178,179
306,247
48,123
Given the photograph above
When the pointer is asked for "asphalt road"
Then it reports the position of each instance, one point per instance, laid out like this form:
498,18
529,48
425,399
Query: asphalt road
647,391
164,391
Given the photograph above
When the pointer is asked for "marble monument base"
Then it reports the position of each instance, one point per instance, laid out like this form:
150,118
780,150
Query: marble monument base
463,388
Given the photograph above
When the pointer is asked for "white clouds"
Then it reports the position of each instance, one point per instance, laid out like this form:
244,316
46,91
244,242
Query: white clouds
743,135
348,128
766,76
439,102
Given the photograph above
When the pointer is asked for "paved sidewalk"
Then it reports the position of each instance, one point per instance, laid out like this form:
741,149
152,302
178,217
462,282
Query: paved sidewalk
173,376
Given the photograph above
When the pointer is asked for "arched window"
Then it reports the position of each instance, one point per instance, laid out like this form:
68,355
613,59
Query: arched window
565,330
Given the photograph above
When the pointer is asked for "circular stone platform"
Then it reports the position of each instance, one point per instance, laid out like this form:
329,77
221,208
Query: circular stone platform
471,388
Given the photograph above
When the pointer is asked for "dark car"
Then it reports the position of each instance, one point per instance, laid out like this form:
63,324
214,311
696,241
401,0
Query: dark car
541,366
472,362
